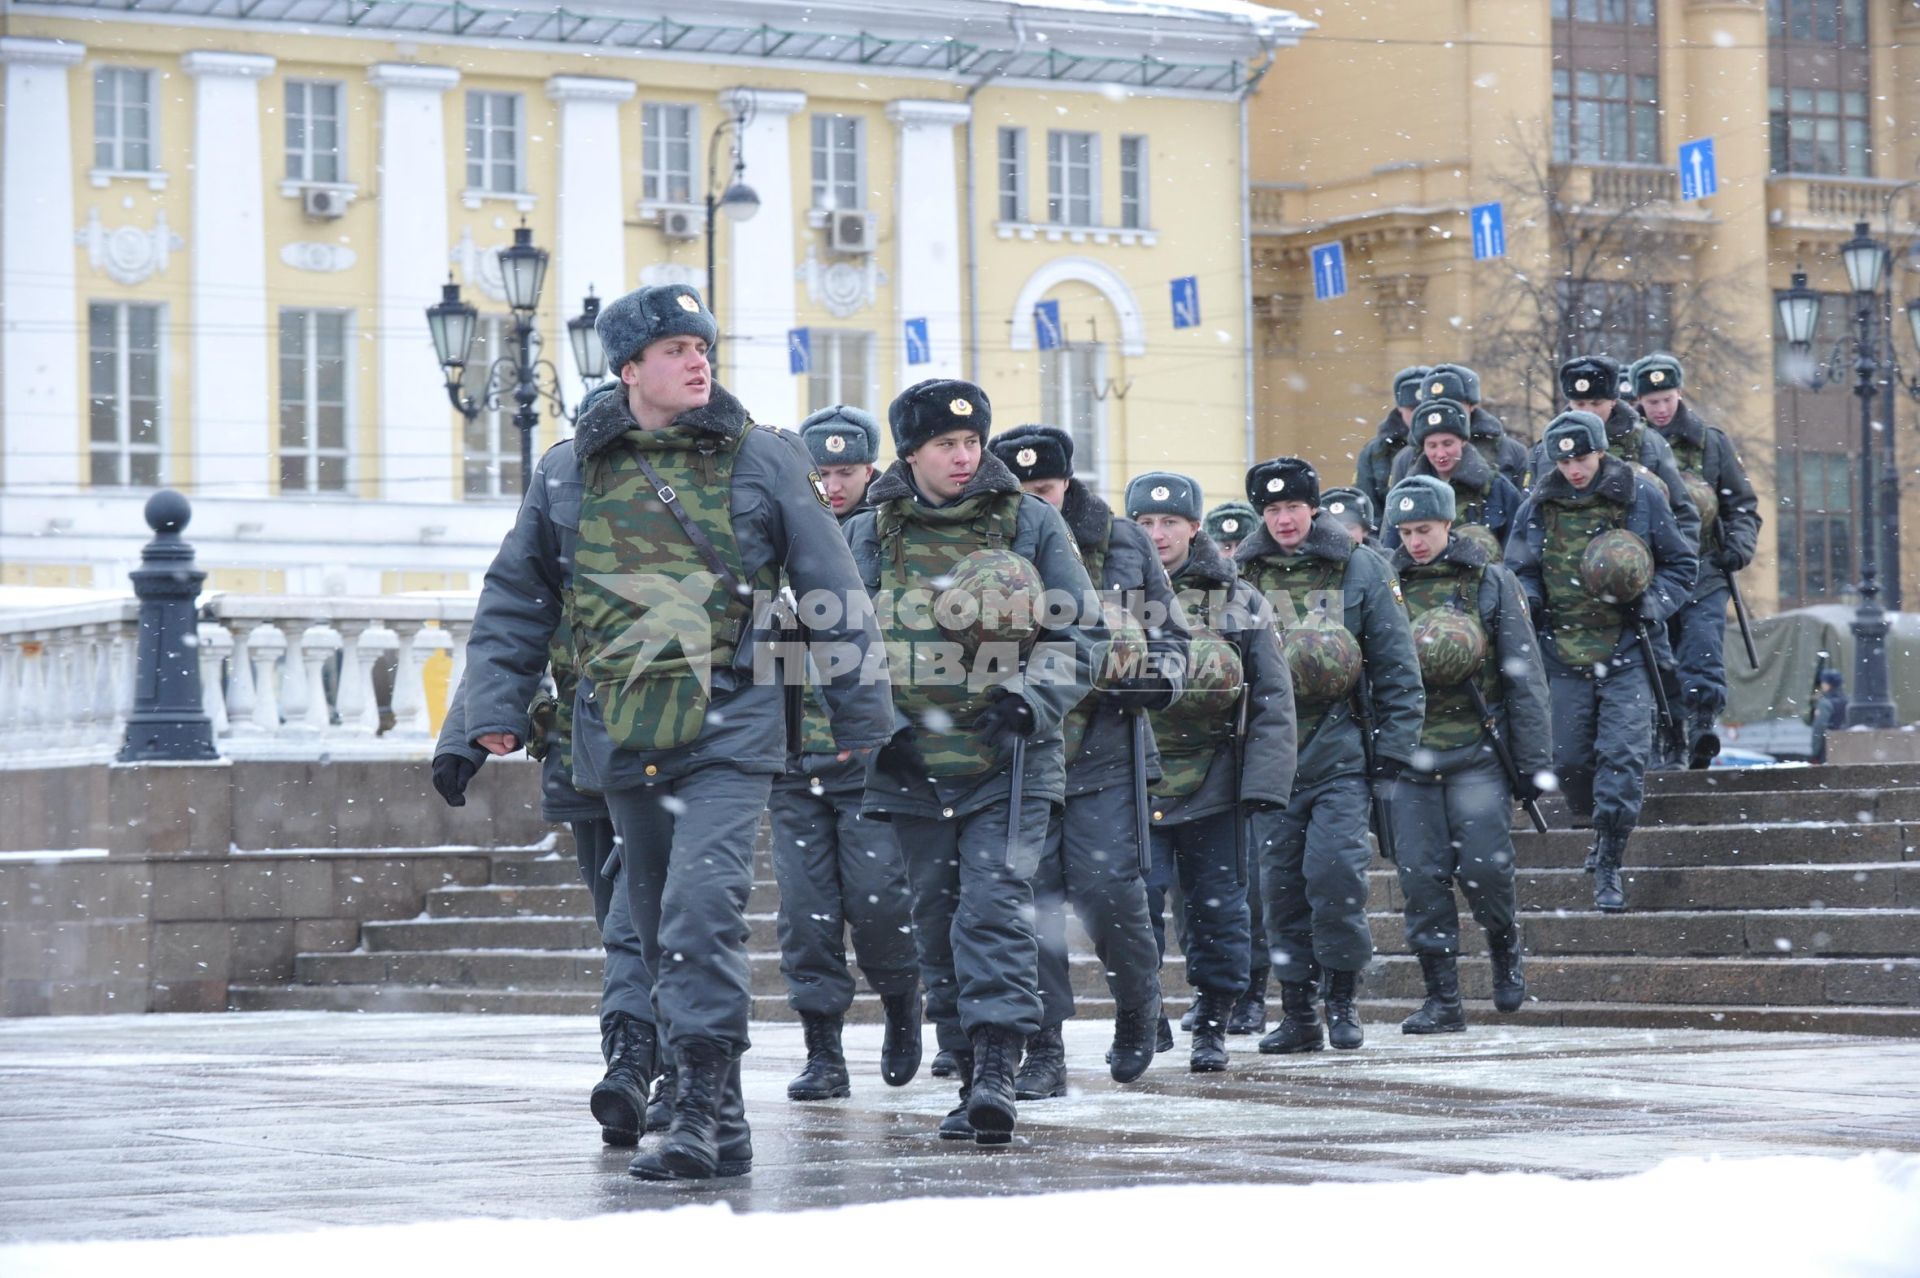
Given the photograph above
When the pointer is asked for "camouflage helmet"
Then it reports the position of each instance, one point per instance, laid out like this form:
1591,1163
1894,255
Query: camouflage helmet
1481,536
1617,566
991,596
1705,500
1451,645
1323,657
1123,653
1214,679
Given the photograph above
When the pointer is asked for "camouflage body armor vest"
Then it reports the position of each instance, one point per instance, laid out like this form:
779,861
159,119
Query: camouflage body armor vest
653,692
1308,582
1074,728
1585,628
1452,719
1187,749
1489,448
1469,504
552,716
919,545
1692,460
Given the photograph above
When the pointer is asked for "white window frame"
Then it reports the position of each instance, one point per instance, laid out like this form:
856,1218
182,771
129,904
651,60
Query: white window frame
825,148
1060,405
1010,161
117,140
1136,168
656,175
829,381
486,161
309,401
123,448
1060,167
300,161
491,335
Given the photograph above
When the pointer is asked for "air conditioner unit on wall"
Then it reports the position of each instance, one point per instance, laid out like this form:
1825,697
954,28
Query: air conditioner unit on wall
323,202
850,231
681,223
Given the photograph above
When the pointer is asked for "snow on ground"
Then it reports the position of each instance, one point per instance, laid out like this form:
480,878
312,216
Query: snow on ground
1798,1216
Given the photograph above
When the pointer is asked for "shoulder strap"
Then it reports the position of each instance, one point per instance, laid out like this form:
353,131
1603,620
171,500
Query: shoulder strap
701,542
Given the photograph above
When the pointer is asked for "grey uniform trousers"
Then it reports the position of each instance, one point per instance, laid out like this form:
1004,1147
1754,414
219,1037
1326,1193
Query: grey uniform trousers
1698,634
1092,859
1602,739
838,871
1198,857
687,854
626,984
973,915
1314,856
1458,828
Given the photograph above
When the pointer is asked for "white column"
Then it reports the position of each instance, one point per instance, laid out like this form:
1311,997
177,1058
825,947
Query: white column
926,232
416,423
758,260
41,377
592,248
232,411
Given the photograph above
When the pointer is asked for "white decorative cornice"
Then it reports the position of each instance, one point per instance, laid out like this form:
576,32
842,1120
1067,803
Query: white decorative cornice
404,75
245,66
50,53
312,256
775,102
129,254
909,112
585,88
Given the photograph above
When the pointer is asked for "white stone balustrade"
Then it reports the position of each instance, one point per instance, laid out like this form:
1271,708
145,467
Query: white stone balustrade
282,677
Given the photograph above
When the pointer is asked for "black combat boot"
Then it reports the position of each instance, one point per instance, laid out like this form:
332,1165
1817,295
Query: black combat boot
1608,896
825,1075
1249,1015
1043,1074
691,1149
1163,1037
900,1048
619,1101
1343,1022
945,1063
1188,1017
1703,742
1441,1013
1509,970
990,1106
732,1136
955,1125
1210,1033
660,1108
1299,1027
1133,1047
951,1043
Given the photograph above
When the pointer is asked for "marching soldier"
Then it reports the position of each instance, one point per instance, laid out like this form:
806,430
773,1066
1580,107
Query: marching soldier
838,870
1483,497
1501,449
1603,562
1092,849
1482,743
974,773
1729,530
1229,523
1354,511
1357,698
1591,384
1226,748
1373,472
652,530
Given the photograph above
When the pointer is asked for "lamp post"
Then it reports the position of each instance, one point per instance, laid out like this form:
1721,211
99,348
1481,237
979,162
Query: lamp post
453,322
738,201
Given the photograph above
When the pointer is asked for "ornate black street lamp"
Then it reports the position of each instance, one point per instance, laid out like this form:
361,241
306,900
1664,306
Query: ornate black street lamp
738,200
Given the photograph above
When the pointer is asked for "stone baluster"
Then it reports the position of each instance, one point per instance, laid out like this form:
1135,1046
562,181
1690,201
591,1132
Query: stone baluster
433,639
409,691
216,646
317,647
32,714
240,676
125,653
93,657
375,643
293,677
9,686
460,632
354,691
56,696
265,646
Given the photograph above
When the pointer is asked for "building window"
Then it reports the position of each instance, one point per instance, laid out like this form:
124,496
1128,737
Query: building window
124,381
1619,317
1819,131
666,153
313,131
1013,174
839,162
1816,526
491,444
123,114
1133,183
1820,80
493,143
313,401
1612,12
1606,117
841,371
1826,21
1073,179
1072,378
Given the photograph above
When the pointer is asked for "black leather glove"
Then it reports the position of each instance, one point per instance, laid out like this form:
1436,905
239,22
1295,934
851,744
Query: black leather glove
1007,716
1386,769
451,772
1149,693
900,758
1528,791
1728,560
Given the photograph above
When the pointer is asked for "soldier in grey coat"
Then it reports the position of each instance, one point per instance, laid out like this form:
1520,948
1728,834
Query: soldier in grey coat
840,871
1501,449
685,813
1482,495
1092,855
1453,819
1596,667
1314,854
1374,470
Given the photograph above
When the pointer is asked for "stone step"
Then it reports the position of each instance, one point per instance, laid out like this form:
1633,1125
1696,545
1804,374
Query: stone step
1753,934
1795,982
494,969
545,870
572,901
1767,806
483,934
411,998
1850,776
1779,844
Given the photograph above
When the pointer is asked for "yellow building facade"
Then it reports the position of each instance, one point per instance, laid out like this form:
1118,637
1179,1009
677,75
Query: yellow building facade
1571,114
225,221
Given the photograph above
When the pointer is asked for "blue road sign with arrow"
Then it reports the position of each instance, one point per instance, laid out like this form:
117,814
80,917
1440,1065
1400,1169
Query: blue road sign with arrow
799,351
919,349
1186,302
1046,325
1489,231
1329,271
1698,176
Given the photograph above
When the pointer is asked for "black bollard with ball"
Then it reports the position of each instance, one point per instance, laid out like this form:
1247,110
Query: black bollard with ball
168,722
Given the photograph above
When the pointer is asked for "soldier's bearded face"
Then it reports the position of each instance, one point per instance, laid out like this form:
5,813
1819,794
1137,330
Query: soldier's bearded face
845,486
1443,451
1172,537
1660,406
1051,491
1424,538
944,465
1288,521
1601,408
1579,471
670,377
